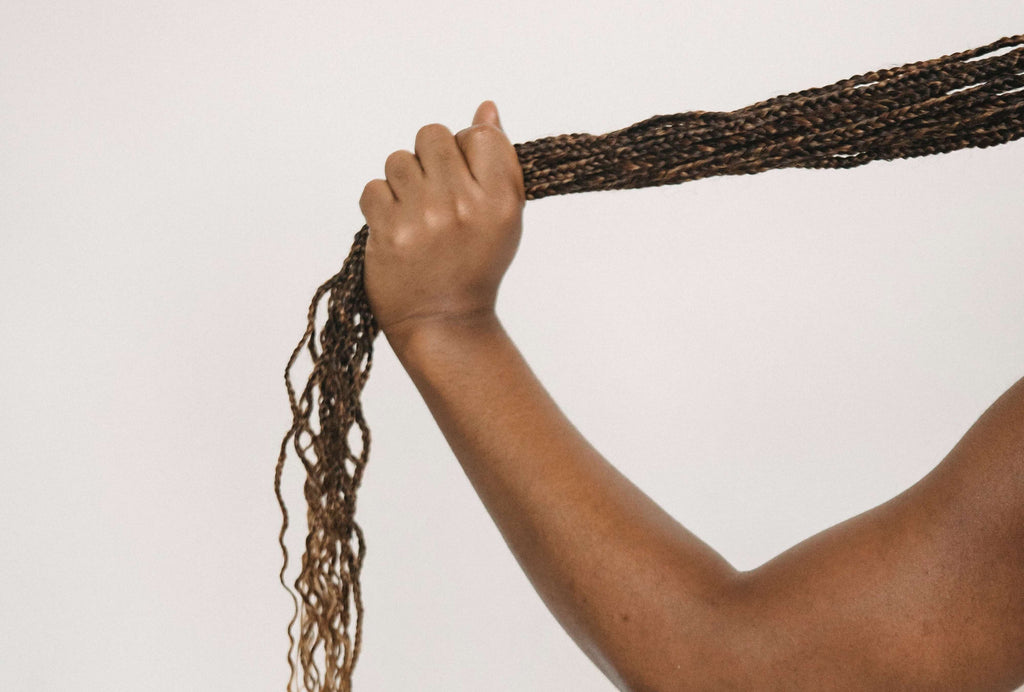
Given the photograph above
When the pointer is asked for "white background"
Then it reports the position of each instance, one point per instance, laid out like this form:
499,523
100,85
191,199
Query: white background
765,355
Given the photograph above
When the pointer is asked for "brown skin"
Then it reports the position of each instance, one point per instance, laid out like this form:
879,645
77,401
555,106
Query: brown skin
923,592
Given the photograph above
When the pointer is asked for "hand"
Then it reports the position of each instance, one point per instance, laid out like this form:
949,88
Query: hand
444,226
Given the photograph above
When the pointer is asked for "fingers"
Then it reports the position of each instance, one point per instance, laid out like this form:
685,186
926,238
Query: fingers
480,153
440,155
403,171
487,113
437,157
376,201
490,155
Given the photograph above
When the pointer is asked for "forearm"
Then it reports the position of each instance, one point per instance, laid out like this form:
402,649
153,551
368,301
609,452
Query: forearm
633,588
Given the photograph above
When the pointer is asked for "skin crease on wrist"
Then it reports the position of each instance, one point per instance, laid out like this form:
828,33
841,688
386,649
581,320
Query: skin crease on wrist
925,591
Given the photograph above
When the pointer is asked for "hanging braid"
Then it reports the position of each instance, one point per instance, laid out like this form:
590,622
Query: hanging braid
960,100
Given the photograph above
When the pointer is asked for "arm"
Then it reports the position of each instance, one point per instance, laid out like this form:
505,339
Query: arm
926,590
616,571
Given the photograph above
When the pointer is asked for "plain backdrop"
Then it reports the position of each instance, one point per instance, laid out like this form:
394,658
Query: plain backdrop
765,355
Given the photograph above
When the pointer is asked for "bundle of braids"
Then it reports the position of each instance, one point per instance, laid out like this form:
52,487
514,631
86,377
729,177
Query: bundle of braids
970,99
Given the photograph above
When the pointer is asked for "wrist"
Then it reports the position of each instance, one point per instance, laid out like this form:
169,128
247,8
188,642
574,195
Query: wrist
436,335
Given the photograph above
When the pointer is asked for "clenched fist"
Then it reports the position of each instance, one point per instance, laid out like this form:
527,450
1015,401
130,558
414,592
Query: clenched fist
444,225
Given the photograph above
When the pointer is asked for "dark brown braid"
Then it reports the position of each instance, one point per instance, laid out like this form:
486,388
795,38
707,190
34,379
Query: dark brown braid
968,99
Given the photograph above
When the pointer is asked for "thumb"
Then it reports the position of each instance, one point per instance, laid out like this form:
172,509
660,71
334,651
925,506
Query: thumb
487,113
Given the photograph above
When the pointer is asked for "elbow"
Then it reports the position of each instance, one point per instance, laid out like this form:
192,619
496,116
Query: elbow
722,642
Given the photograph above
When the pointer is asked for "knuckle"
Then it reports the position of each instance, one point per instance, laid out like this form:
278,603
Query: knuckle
372,187
431,132
399,161
481,133
439,216
374,192
400,239
391,234
465,209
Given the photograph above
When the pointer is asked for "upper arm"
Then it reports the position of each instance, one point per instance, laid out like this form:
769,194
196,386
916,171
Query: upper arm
925,591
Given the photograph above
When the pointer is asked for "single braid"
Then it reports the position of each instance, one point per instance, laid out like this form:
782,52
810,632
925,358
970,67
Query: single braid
968,99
